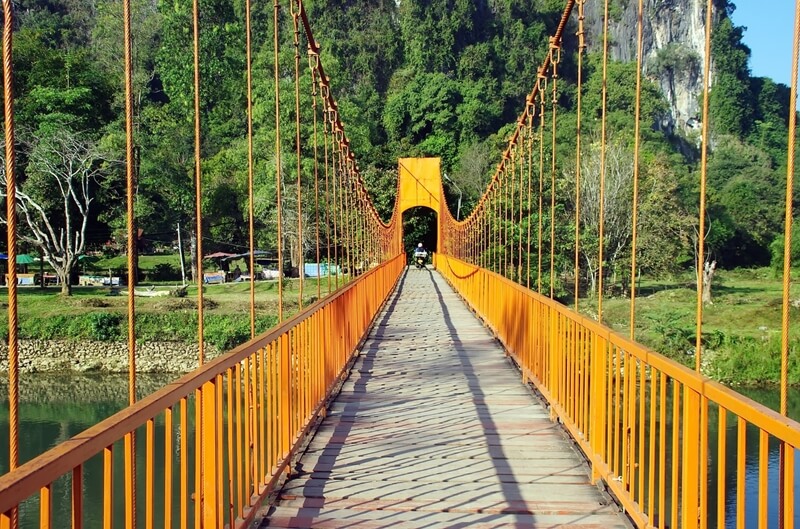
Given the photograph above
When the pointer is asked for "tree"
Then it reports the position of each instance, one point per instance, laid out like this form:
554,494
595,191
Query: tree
55,199
731,101
744,193
617,226
665,228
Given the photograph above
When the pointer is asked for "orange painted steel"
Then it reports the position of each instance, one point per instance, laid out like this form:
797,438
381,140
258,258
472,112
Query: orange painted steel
299,365
607,390
11,518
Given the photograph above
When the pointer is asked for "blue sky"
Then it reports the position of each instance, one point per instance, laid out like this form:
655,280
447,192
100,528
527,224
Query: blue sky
769,36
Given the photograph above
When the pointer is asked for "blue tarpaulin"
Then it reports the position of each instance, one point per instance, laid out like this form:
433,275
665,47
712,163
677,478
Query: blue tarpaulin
319,269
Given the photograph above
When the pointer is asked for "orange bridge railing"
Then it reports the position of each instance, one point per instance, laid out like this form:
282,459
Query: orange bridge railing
660,435
251,409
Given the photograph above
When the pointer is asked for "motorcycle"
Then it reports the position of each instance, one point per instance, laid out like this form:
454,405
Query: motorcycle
420,258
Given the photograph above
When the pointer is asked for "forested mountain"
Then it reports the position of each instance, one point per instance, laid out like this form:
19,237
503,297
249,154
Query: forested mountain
413,77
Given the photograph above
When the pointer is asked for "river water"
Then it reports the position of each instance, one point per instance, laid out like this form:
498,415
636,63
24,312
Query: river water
57,407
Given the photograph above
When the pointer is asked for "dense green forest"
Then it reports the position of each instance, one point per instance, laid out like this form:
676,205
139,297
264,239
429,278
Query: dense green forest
419,77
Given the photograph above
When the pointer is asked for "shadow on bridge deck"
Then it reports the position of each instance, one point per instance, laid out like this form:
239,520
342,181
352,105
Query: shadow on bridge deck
434,429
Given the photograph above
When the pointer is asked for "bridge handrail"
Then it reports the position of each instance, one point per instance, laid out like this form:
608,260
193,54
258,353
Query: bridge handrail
25,481
560,371
781,427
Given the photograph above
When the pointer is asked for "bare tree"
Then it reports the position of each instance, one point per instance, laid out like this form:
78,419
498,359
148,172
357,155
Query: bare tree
56,196
617,226
475,168
704,272
302,244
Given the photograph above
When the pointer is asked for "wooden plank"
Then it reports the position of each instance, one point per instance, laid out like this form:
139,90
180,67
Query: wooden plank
434,429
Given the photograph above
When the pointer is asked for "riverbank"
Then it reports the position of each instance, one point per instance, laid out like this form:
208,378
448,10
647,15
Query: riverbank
86,356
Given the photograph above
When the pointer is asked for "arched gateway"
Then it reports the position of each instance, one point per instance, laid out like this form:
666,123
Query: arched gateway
421,185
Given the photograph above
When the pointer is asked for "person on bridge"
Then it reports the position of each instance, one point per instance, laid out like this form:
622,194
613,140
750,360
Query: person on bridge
420,255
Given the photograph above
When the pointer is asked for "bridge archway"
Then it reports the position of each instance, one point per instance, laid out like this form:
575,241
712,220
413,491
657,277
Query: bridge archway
421,186
420,225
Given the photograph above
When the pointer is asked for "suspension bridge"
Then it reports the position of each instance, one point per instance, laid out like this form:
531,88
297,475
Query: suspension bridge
459,395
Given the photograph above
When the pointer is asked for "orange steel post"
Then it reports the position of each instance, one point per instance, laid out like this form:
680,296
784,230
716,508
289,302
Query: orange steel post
662,456
219,412
168,459
722,439
763,479
149,480
640,466
129,456
690,459
265,429
284,385
247,429
264,387
232,418
238,453
184,463
704,449
624,410
77,497
676,415
46,508
788,494
741,477
198,456
651,445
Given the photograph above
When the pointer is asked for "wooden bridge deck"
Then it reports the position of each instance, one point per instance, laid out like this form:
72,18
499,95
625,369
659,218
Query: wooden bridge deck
434,429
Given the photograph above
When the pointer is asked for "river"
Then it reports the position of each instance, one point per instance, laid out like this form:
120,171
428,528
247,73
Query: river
56,407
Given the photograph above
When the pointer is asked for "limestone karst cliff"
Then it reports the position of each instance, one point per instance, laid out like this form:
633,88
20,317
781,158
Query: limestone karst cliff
674,48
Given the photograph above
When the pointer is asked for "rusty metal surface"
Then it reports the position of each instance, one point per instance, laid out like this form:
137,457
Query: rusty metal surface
435,429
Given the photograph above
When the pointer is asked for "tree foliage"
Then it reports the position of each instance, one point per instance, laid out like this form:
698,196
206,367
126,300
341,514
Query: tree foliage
440,78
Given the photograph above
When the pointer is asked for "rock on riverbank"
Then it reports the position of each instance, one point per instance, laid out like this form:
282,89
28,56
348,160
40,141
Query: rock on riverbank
107,357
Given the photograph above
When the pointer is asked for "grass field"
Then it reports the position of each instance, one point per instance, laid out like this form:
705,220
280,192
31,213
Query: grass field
98,313
745,301
741,329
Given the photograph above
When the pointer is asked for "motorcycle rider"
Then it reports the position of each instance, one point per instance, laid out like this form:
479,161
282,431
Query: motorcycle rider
420,255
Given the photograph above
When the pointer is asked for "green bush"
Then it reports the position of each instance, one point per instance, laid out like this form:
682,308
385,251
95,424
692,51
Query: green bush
753,361
104,326
163,272
224,331
776,249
